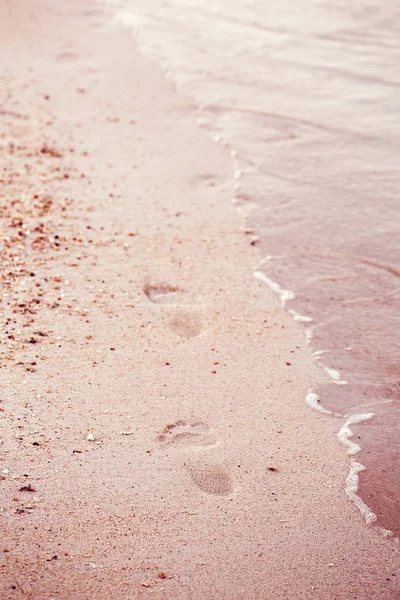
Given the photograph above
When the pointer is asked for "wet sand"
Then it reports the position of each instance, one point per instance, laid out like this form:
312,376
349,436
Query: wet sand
155,439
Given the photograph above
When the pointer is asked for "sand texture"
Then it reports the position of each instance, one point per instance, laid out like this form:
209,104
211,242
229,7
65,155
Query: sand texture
155,439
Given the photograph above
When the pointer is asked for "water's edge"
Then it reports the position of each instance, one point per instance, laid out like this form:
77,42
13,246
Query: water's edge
246,208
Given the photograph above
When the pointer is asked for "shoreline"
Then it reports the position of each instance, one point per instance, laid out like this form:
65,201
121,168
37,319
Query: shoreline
119,18
310,160
345,433
165,431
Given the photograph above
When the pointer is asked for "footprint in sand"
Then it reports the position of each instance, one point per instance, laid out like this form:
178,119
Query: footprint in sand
164,293
210,477
183,434
185,324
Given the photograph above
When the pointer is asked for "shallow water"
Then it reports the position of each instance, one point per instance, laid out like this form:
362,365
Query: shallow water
307,96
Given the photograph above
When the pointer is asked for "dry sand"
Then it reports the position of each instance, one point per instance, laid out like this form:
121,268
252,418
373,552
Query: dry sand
155,439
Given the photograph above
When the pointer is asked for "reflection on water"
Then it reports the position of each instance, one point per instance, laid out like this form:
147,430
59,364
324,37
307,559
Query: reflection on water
308,95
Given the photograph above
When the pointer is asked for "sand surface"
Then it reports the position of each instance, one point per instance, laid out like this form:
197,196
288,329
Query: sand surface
155,439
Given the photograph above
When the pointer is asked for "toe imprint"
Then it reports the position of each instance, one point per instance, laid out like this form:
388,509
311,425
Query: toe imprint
183,434
212,479
163,293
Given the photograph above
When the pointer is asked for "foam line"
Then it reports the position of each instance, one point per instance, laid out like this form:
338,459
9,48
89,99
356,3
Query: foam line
298,317
352,480
345,432
351,489
335,376
318,353
312,400
285,295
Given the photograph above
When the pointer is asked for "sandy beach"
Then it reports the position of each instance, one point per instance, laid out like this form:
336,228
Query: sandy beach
155,441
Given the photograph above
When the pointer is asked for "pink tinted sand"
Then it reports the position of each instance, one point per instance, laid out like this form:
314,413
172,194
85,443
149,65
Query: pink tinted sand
303,91
160,347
